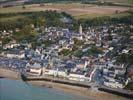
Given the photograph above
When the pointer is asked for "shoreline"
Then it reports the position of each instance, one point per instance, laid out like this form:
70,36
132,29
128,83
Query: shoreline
10,74
86,93
89,94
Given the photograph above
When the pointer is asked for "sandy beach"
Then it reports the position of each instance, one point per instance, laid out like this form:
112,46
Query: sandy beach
7,73
87,94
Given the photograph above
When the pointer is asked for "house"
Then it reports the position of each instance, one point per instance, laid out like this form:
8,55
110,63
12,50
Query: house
15,54
130,72
114,84
34,69
120,71
50,72
57,72
71,42
61,42
81,64
61,72
12,44
76,76
66,20
20,56
125,51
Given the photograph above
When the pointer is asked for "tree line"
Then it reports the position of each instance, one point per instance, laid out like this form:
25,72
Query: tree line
52,18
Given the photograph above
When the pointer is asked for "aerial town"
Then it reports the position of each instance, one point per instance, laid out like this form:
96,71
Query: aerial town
92,60
81,46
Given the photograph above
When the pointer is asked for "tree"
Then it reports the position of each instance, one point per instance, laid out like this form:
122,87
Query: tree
47,43
78,42
94,50
6,40
110,37
65,52
75,47
125,58
25,34
23,7
78,53
41,21
35,44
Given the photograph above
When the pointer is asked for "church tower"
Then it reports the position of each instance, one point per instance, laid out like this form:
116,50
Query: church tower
80,30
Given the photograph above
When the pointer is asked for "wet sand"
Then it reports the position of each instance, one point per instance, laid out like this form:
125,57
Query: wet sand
88,94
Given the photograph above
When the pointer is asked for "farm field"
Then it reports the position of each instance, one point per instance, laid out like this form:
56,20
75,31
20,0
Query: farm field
75,9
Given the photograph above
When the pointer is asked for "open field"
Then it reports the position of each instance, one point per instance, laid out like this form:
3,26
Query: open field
75,9
101,15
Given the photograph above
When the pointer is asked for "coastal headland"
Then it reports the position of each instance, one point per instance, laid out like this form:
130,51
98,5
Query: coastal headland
88,93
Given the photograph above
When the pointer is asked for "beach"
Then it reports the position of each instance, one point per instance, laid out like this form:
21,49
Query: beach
7,73
87,94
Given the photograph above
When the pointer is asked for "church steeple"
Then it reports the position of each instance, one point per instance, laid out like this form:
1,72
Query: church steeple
80,29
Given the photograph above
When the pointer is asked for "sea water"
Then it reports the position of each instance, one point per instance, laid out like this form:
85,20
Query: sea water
19,90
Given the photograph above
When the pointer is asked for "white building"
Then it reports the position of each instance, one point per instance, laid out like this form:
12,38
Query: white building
15,54
11,45
114,84
80,37
76,77
54,72
34,69
80,30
